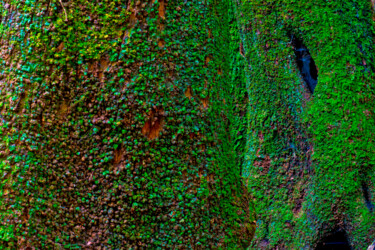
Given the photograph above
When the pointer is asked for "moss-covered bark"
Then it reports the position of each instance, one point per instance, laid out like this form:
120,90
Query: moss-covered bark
111,114
310,157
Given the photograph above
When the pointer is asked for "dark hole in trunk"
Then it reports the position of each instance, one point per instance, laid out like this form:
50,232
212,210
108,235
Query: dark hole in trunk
366,195
336,240
305,63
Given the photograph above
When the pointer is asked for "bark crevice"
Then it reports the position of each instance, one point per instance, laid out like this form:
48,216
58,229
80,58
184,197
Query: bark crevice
336,239
305,63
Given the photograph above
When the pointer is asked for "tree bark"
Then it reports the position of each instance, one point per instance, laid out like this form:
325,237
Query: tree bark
110,132
310,160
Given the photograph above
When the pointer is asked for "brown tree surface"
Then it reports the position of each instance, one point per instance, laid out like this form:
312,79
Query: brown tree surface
111,114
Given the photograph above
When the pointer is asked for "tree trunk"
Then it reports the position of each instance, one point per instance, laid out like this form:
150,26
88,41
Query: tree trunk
311,155
117,130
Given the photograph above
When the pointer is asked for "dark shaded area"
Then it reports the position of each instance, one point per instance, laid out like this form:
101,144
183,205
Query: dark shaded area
305,64
366,195
336,240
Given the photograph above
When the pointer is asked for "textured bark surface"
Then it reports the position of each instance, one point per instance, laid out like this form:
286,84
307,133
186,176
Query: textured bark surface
110,122
310,161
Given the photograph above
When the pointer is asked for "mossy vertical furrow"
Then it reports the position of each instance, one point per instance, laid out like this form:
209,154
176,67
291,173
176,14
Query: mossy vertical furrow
308,155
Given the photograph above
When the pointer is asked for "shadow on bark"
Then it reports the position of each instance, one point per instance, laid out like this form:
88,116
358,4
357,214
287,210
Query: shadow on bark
334,240
305,63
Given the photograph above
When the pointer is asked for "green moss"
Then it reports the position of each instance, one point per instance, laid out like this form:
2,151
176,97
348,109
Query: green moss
308,155
118,140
